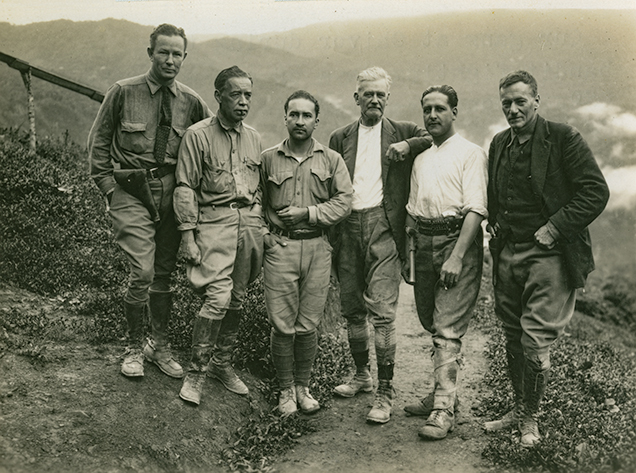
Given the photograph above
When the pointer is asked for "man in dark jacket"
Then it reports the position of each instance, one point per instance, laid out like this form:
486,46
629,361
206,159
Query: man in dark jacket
379,154
544,189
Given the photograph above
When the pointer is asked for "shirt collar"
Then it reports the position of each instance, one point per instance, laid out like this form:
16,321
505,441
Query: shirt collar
238,128
448,140
522,139
155,86
315,146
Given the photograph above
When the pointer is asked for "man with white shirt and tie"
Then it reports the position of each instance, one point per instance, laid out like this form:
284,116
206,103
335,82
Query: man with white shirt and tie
446,206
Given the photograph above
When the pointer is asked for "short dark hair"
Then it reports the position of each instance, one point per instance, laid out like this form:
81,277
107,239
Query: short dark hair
303,94
447,90
166,29
226,74
520,76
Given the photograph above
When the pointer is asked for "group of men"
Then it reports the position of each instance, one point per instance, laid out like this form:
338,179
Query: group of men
386,198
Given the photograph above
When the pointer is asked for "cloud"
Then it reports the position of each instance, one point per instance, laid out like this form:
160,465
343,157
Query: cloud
609,120
622,189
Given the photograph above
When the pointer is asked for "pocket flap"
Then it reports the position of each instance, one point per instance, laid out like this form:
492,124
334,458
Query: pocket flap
280,177
321,173
132,127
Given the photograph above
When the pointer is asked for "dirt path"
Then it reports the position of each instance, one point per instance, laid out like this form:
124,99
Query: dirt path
345,442
64,407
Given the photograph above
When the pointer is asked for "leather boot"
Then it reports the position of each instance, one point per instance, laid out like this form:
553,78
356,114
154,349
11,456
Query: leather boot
441,421
380,413
133,364
516,363
221,363
204,334
157,349
535,381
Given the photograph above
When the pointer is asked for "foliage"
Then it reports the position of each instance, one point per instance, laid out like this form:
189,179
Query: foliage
57,242
580,433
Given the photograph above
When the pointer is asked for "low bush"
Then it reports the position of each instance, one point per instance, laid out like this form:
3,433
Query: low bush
580,433
57,241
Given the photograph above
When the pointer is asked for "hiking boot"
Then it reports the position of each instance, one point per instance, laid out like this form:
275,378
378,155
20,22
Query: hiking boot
425,406
162,357
228,378
529,432
305,400
509,420
192,387
360,382
287,402
380,413
133,364
438,425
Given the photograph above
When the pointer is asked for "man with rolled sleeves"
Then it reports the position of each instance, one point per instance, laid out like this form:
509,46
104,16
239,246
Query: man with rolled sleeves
217,205
544,189
306,190
370,248
132,150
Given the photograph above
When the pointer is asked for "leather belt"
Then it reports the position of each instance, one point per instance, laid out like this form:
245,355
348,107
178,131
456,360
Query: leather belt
158,172
438,226
233,205
297,234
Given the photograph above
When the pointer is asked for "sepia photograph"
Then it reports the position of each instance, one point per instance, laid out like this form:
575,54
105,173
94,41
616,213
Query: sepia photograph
307,236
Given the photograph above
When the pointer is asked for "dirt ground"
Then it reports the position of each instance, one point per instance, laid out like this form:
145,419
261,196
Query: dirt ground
71,411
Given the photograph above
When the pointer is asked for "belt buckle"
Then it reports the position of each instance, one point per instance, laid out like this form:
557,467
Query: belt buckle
151,173
234,205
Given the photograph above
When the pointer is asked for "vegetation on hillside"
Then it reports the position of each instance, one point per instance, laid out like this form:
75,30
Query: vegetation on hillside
56,241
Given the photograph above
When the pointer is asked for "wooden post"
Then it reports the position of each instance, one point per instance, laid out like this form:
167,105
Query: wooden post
26,78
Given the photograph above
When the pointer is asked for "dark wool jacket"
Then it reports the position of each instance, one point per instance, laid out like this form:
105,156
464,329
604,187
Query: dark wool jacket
396,176
572,188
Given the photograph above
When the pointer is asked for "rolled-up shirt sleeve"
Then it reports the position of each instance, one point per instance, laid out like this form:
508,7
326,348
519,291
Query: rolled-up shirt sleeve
100,140
338,207
475,183
188,179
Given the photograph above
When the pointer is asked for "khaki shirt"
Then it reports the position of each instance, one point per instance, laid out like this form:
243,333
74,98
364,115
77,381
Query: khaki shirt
319,182
217,165
126,124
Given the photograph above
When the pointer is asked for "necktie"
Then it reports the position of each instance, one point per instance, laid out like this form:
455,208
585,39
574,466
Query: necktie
163,129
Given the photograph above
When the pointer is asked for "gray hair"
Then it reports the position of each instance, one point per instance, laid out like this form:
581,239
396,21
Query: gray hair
371,74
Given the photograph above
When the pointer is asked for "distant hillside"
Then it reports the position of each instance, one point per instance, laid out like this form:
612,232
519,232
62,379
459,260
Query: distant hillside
579,58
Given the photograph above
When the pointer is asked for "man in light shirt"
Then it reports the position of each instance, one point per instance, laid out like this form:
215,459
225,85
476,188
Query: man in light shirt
378,153
446,206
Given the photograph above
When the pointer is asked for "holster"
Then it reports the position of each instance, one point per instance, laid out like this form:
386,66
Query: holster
135,182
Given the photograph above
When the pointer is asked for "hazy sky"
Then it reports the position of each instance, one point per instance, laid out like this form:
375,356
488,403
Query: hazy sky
234,17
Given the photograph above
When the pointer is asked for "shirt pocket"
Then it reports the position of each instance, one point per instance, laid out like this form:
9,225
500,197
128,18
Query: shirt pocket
280,187
217,180
320,183
133,137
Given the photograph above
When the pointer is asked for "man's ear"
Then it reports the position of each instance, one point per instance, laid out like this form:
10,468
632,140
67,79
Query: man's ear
217,96
149,51
356,97
538,102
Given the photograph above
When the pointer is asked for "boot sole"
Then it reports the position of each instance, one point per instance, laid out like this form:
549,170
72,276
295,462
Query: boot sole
133,375
347,395
191,401
431,437
240,393
172,375
371,420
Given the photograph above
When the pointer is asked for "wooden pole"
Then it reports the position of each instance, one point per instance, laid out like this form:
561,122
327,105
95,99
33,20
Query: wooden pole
26,78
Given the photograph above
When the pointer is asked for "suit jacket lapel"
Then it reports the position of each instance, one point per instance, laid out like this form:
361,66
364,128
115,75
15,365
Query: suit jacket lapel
350,148
540,155
504,140
388,138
